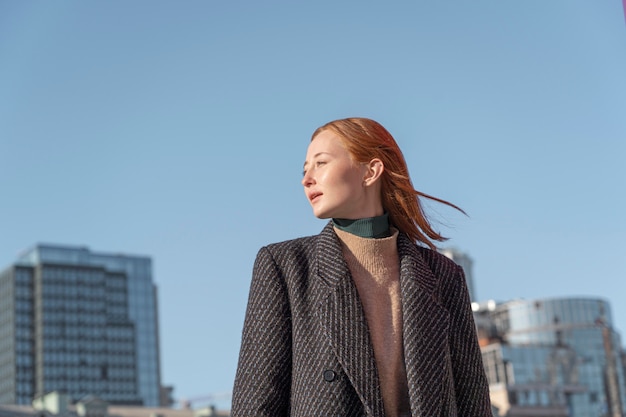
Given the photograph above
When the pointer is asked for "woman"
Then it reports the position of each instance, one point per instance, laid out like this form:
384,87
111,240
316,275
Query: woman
359,320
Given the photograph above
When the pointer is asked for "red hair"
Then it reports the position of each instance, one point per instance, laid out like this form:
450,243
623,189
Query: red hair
367,139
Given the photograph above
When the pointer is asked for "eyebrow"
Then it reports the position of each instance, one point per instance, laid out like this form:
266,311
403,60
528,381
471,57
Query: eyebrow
315,156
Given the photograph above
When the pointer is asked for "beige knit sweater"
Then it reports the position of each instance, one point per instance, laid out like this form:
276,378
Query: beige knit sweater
375,269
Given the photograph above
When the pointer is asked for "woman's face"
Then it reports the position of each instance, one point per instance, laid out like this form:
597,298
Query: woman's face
334,183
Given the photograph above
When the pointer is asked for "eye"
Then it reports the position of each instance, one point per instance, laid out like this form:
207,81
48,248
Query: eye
316,164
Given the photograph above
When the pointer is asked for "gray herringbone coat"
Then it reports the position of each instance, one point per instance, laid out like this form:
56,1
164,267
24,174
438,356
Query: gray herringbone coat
306,349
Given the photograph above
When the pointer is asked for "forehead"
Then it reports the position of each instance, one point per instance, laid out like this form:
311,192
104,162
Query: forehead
326,142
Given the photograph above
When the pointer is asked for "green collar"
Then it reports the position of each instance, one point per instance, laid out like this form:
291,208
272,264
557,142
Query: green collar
371,227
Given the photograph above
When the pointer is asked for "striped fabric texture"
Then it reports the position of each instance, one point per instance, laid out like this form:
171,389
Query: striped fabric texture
306,347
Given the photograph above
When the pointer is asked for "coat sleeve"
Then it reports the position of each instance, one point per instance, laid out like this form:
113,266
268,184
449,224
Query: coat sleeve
263,378
470,382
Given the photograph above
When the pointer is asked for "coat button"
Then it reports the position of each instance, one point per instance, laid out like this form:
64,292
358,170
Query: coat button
329,375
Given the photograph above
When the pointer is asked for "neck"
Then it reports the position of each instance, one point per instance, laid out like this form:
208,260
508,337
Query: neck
370,227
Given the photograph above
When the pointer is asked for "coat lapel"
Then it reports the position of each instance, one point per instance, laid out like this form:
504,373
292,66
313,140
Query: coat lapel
425,327
344,323
425,330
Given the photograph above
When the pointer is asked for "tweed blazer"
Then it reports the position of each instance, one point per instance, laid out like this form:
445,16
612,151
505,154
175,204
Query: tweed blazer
306,348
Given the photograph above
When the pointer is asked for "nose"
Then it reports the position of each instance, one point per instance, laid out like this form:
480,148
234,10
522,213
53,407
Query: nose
307,179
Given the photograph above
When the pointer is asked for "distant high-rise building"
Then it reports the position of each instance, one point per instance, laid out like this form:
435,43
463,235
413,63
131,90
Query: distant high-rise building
79,322
557,357
465,262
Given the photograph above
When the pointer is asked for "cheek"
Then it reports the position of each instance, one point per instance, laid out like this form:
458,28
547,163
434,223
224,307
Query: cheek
334,180
341,179
346,185
352,179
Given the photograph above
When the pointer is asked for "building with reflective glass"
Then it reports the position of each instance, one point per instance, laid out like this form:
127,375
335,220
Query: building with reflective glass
465,262
79,322
558,357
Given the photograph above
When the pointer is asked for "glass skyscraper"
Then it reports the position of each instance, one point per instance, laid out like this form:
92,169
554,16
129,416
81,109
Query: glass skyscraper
465,262
79,322
558,355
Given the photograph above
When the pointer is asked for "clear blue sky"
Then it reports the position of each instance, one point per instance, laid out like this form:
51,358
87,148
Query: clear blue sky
178,130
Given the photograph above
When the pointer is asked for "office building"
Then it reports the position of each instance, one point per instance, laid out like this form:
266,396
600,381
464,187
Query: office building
465,262
79,322
556,357
58,404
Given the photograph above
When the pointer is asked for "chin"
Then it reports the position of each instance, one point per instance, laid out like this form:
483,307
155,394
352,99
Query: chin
321,214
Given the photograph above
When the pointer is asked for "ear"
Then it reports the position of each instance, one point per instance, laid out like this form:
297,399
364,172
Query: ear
374,170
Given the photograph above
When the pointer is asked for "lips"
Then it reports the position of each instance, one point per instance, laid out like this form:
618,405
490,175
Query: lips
313,196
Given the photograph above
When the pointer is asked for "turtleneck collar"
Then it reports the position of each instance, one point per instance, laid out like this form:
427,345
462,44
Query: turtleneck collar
370,227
